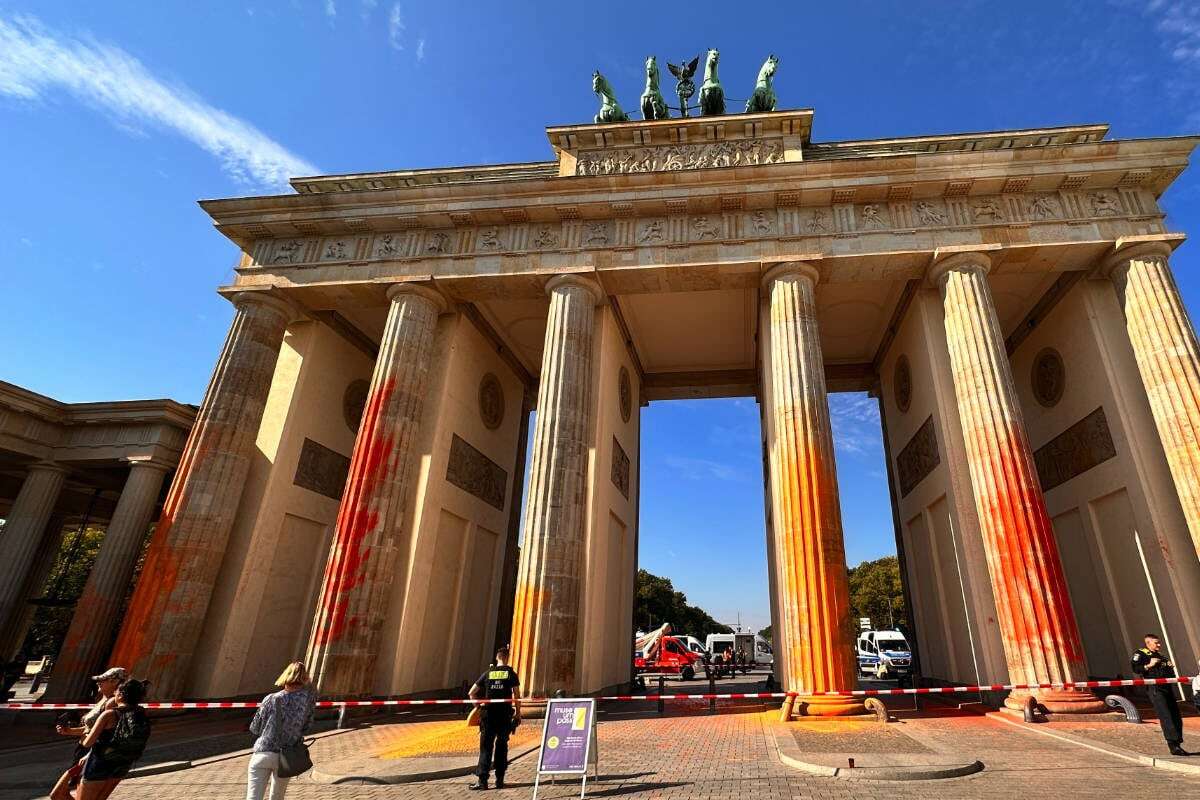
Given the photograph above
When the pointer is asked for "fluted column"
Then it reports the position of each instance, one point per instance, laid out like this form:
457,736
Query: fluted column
166,614
371,525
546,610
39,573
23,532
95,618
814,602
1037,625
1168,358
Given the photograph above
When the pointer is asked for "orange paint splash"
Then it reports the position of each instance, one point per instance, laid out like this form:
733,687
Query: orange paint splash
347,566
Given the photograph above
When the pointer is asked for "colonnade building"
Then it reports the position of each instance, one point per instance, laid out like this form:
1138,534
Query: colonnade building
351,492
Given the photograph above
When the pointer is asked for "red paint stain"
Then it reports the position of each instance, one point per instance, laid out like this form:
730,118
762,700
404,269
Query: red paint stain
1038,622
159,577
347,566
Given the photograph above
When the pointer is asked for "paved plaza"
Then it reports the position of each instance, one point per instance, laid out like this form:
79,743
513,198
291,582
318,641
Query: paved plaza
684,754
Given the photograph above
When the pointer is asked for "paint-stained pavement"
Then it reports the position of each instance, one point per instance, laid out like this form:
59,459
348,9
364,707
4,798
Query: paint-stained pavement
730,755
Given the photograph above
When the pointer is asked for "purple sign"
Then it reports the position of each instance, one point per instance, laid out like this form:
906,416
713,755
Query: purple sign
567,735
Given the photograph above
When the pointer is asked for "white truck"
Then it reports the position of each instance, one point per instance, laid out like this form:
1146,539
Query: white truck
884,654
758,650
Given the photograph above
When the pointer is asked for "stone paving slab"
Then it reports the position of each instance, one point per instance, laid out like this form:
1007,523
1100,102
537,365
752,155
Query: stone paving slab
864,751
725,757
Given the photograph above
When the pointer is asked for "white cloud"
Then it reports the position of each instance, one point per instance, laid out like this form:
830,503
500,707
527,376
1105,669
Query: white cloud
699,469
395,27
855,421
421,49
35,61
1180,25
330,8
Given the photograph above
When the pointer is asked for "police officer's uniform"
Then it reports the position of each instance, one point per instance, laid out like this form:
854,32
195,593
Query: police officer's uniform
1161,695
496,721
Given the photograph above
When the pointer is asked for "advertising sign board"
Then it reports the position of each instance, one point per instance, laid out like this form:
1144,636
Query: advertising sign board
568,739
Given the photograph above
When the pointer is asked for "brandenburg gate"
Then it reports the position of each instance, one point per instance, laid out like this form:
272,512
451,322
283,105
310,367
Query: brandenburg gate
351,492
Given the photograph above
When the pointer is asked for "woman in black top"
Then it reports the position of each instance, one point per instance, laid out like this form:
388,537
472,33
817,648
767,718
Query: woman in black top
116,741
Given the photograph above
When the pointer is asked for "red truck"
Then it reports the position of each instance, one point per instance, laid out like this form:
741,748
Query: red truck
661,653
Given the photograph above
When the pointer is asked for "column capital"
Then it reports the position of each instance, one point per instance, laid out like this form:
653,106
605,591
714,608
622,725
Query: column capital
148,463
576,280
272,300
419,290
48,466
787,269
968,261
1116,263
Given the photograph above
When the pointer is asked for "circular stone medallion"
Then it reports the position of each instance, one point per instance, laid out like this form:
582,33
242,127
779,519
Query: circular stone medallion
354,400
902,384
1049,377
625,394
491,401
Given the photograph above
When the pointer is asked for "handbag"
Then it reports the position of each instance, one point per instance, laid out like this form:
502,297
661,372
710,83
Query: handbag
474,718
294,759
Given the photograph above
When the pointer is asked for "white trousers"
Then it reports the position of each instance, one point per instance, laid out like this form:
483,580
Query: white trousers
262,772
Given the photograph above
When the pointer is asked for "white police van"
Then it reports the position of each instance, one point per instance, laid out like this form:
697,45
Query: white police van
884,654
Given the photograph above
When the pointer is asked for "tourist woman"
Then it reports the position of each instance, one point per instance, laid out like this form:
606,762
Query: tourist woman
114,743
107,682
279,723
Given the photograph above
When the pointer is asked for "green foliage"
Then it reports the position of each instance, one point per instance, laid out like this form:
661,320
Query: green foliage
655,601
766,633
876,592
67,578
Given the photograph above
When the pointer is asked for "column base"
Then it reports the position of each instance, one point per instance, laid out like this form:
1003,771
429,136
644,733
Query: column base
1058,701
823,706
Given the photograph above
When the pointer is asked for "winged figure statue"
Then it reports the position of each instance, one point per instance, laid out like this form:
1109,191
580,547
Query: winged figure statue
684,87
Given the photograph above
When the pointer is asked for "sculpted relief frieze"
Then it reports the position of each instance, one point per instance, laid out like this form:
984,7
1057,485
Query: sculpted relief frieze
666,158
839,220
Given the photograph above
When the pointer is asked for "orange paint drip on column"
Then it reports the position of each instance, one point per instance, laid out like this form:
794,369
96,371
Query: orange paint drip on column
370,530
811,562
356,519
1037,625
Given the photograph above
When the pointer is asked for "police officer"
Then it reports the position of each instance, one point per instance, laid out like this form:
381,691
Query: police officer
1151,662
497,720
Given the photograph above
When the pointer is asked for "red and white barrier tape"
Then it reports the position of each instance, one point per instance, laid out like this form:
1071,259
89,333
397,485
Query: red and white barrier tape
998,687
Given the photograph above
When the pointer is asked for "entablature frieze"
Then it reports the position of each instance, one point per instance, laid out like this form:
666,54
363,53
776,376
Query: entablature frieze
901,224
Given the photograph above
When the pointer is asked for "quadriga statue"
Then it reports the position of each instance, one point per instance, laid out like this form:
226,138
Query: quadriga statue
763,97
653,105
610,109
712,96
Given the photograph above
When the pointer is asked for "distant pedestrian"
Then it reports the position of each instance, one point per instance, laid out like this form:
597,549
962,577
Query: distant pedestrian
1196,689
741,656
114,743
279,723
107,682
497,720
1151,662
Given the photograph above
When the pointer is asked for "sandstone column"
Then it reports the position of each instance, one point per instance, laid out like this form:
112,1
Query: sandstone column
1168,358
94,621
39,573
166,614
814,600
370,530
546,610
23,532
1037,624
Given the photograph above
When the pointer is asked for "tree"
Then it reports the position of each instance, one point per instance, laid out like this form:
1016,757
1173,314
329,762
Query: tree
656,601
766,633
877,592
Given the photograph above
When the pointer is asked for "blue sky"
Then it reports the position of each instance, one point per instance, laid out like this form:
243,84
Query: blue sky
116,117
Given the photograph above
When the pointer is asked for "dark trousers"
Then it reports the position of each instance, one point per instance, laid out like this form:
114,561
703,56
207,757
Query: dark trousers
493,746
1167,711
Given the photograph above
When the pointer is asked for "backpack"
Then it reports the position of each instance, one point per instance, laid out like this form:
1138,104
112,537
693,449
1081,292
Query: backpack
129,738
